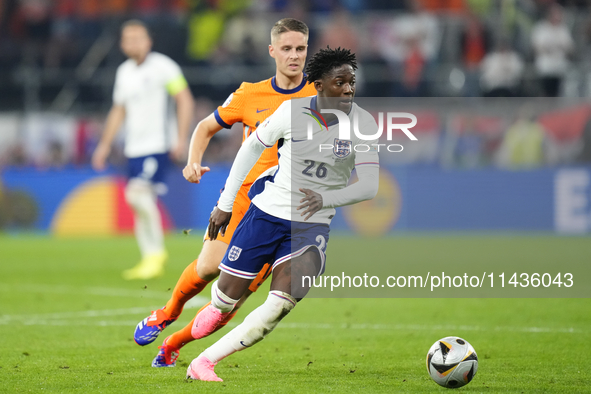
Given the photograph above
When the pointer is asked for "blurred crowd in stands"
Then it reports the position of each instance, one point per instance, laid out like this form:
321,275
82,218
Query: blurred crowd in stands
406,48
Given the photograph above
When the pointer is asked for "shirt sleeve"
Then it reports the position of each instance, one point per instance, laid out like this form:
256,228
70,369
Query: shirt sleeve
276,126
174,80
232,111
118,97
364,189
247,156
266,135
567,40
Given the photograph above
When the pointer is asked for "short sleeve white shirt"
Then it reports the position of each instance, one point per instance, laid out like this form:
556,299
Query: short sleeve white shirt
142,89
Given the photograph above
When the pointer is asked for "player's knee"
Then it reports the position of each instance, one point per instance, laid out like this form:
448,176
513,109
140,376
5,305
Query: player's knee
207,269
209,259
137,195
220,300
131,196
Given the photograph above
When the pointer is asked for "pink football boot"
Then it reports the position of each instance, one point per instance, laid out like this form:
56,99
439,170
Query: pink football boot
202,369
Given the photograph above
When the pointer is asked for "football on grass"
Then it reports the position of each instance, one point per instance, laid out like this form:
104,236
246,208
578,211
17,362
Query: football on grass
452,362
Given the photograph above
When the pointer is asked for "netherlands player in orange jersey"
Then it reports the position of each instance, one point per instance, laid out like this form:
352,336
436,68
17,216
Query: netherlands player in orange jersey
250,104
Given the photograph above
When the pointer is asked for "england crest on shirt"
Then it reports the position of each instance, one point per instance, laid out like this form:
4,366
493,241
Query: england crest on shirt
234,253
342,148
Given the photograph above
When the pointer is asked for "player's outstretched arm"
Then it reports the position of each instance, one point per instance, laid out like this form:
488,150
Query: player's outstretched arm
203,133
247,156
184,113
365,188
265,136
112,125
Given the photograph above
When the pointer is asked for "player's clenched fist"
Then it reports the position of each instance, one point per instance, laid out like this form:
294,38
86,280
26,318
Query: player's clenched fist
193,172
218,222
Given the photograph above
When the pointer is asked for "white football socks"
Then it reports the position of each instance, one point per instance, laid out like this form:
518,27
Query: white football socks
221,301
256,326
148,223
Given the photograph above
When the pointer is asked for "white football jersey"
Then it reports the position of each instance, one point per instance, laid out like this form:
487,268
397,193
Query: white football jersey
142,89
322,163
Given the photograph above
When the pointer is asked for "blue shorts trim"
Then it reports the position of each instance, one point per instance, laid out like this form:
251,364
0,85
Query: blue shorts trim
261,238
301,252
152,168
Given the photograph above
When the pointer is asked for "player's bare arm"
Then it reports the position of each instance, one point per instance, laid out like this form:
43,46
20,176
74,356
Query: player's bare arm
112,125
203,133
247,156
184,111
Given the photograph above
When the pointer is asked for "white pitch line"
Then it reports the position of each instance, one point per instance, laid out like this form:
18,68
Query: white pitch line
98,291
415,327
61,317
69,318
80,314
69,323
31,320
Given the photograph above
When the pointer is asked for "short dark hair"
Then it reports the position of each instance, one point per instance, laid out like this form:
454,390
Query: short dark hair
325,60
288,24
138,23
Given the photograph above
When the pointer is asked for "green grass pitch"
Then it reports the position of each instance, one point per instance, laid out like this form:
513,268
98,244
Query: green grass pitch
67,320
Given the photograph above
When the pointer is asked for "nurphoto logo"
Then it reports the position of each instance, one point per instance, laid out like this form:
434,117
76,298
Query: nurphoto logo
345,130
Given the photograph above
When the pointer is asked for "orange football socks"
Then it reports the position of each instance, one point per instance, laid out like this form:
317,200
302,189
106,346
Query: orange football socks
189,285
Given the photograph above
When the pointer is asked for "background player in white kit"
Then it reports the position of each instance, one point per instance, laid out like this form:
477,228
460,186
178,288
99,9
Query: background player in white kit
294,237
141,98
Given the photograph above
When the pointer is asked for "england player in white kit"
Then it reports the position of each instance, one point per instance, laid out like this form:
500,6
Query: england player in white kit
144,85
292,205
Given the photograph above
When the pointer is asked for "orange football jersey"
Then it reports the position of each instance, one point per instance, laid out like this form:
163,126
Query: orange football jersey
251,104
